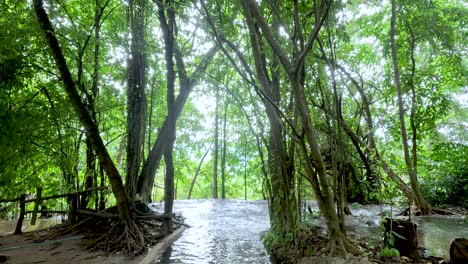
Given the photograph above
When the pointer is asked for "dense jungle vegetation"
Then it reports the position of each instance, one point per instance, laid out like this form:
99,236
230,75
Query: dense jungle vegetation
337,101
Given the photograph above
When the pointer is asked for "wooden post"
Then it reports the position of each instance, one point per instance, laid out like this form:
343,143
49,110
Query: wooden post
19,224
36,205
73,209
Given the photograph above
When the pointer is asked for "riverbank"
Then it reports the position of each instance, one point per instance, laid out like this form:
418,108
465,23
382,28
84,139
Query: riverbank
21,249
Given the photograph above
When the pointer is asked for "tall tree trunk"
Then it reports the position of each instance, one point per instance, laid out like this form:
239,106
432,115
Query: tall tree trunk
223,154
146,179
167,24
245,170
91,174
91,128
216,147
421,202
136,99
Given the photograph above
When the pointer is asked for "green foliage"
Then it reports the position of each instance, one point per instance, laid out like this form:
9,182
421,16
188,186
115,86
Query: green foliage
445,181
389,253
389,239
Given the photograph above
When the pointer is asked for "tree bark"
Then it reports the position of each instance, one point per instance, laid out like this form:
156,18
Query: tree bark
91,128
167,23
136,98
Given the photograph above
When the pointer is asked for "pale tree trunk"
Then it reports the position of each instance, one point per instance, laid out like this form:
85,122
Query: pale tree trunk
216,147
421,202
136,99
91,128
194,180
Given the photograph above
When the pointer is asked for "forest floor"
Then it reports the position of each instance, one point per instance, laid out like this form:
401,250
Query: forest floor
21,249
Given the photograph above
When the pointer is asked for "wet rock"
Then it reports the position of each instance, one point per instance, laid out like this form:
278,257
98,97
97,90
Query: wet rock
406,239
459,251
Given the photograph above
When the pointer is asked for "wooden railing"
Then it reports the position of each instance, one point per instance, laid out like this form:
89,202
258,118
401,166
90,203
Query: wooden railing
73,198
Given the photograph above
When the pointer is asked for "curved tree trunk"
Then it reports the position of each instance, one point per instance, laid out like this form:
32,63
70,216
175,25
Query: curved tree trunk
197,173
92,131
421,202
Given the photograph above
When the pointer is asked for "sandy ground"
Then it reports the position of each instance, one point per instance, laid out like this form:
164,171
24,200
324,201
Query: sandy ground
68,252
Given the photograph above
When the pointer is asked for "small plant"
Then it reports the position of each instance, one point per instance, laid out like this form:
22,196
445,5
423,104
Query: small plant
389,252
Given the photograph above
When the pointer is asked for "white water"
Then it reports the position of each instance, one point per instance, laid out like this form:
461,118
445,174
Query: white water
222,231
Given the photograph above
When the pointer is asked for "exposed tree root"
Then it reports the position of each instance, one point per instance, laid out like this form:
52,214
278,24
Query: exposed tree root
314,241
339,245
107,232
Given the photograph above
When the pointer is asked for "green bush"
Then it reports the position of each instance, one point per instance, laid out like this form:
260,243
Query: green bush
445,181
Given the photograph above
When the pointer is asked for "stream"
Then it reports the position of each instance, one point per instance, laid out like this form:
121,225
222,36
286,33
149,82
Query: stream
222,231
228,231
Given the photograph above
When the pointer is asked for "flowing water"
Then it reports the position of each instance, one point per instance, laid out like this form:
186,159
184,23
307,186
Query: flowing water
228,231
222,231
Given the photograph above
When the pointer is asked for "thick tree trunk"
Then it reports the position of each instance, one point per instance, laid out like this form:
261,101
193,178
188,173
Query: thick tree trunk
421,202
136,99
91,128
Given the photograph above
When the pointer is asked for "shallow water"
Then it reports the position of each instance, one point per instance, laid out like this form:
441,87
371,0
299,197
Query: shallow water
222,231
437,232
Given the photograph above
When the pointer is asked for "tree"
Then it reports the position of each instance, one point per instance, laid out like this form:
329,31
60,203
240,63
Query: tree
127,225
216,148
136,97
309,146
411,167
